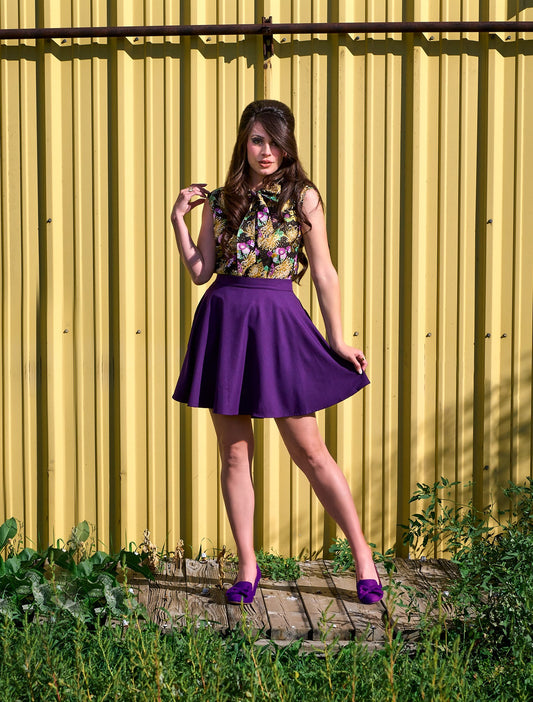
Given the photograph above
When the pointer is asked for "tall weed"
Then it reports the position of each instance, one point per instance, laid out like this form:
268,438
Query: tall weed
65,660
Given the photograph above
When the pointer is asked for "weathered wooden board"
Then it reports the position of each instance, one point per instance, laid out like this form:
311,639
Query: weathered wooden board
428,577
252,617
140,587
449,570
416,585
321,605
368,621
286,614
318,647
205,599
327,615
167,597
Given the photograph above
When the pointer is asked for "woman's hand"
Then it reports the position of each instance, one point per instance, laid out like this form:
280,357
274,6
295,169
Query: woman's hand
184,203
355,356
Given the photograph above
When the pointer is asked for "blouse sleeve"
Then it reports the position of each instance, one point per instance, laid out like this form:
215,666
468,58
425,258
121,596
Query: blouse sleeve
304,192
214,198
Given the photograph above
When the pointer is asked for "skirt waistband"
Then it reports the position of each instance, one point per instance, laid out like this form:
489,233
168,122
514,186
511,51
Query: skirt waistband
279,284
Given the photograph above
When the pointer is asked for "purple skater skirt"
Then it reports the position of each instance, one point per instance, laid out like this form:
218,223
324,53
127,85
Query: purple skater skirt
254,350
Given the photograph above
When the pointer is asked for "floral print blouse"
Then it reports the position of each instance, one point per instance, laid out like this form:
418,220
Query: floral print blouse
263,247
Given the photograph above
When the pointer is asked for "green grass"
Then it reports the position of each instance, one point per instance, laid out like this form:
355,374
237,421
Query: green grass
66,660
51,651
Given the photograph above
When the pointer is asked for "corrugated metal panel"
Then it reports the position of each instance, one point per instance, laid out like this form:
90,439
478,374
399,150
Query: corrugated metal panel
421,148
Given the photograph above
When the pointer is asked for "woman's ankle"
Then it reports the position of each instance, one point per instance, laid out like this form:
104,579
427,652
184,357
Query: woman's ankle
247,569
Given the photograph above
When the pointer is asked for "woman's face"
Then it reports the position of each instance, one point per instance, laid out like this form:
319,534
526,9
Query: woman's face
264,155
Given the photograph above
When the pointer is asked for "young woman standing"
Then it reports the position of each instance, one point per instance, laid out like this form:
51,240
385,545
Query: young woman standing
253,350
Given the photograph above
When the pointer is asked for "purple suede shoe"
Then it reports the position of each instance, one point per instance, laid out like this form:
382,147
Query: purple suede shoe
370,591
243,591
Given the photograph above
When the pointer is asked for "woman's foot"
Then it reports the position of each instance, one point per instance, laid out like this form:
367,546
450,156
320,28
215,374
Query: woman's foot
369,588
243,591
369,591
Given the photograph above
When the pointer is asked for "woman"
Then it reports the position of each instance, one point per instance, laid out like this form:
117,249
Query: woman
253,350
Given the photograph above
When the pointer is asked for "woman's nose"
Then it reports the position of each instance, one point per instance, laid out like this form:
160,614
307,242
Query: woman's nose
266,149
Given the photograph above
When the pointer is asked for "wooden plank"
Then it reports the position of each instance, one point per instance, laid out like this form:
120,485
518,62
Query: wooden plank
431,576
416,584
297,610
450,571
140,587
251,618
286,614
368,621
167,597
425,578
326,614
205,599
318,647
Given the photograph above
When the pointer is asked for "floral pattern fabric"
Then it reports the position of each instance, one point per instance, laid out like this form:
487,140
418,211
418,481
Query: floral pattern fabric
264,246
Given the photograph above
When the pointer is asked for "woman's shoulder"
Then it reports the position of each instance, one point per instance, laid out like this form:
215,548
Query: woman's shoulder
309,195
307,187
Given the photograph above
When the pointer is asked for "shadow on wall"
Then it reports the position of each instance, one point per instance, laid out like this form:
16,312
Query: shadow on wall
507,444
514,7
250,48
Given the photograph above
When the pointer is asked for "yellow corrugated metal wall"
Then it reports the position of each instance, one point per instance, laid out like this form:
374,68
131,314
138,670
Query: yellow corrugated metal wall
422,148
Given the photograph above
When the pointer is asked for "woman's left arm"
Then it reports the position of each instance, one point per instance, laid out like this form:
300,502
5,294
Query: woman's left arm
326,280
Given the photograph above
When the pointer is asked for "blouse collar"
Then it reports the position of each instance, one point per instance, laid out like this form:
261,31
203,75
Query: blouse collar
271,191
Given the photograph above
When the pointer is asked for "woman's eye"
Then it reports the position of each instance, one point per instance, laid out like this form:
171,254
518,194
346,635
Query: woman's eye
256,140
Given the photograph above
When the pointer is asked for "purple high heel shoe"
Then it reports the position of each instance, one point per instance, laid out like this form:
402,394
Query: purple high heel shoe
370,591
243,591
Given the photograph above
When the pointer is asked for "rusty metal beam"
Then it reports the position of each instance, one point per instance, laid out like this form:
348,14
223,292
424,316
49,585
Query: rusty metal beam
264,28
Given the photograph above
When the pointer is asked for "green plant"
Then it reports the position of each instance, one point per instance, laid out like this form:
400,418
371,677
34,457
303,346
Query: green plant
443,523
65,580
342,555
277,567
8,531
493,598
522,505
343,558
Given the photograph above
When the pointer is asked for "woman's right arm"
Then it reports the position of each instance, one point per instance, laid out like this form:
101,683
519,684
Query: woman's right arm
199,258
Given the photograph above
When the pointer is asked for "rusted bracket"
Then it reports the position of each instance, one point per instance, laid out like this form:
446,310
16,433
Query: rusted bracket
268,40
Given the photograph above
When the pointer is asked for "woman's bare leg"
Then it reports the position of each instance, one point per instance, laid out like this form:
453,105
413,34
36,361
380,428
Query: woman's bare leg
308,450
236,446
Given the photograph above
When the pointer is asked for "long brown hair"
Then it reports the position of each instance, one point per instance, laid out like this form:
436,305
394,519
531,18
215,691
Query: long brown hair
278,122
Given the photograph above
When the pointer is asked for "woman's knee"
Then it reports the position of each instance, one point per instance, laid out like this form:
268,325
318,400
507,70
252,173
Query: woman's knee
310,456
304,442
235,455
235,440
